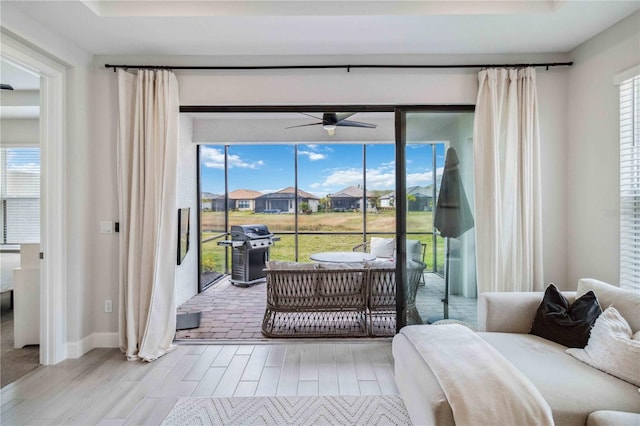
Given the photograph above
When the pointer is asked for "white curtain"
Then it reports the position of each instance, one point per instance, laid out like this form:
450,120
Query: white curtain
507,182
147,172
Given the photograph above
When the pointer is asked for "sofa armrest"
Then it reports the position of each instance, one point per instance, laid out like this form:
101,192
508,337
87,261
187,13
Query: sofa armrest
511,312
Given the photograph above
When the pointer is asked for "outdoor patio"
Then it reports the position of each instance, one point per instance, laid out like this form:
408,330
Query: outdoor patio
233,313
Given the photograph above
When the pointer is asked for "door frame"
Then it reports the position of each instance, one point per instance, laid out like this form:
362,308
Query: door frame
400,111
53,248
401,195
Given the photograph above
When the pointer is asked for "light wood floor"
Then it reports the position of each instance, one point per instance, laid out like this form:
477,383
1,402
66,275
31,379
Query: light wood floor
101,388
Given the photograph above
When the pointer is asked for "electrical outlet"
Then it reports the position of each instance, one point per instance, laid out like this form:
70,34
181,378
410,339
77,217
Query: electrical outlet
108,305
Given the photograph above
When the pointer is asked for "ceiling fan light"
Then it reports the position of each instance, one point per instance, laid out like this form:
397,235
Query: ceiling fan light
330,128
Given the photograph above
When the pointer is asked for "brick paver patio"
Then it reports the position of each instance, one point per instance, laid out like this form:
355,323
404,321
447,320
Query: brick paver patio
228,312
232,313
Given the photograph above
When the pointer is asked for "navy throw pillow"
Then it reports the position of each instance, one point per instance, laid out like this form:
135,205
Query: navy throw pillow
566,324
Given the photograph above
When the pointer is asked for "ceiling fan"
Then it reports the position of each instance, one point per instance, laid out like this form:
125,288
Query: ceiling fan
331,120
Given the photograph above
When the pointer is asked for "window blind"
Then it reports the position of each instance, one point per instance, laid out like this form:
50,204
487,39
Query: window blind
20,195
630,183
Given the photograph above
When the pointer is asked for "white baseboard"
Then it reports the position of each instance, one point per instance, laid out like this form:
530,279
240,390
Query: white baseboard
94,340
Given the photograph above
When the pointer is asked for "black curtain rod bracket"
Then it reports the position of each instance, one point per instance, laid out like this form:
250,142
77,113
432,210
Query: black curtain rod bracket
546,65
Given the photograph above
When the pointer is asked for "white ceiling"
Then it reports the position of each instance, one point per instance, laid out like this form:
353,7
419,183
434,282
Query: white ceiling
336,27
23,101
18,77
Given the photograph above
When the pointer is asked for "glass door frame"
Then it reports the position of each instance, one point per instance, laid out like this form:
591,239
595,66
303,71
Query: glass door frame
401,195
400,115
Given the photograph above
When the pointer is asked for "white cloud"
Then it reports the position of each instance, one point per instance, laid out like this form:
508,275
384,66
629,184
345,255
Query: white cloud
314,152
214,159
24,168
313,156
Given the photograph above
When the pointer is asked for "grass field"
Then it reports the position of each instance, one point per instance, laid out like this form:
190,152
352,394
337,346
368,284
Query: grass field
349,222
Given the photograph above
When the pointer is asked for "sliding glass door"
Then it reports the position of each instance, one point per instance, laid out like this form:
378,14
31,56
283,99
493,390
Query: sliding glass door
321,189
435,216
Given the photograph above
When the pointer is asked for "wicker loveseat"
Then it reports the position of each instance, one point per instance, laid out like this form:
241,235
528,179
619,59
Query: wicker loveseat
320,300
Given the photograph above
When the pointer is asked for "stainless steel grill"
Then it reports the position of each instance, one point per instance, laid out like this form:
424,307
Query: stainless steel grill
250,252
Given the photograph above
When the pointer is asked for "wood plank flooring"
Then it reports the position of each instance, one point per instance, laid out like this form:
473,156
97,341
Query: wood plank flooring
102,388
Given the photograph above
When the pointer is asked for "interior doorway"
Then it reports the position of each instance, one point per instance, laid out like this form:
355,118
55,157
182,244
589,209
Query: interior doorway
52,253
19,221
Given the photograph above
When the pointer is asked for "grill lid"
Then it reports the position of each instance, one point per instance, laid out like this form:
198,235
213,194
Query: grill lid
249,232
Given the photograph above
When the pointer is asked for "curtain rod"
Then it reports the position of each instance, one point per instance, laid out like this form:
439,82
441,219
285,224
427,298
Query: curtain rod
547,65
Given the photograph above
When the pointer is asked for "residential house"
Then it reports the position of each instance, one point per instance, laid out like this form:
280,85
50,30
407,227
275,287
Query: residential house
207,200
284,201
349,199
419,198
68,43
243,199
388,200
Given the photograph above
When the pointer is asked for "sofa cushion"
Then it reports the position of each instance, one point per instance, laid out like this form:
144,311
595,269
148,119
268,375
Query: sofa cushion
627,302
563,323
279,265
613,418
335,265
571,388
612,348
380,264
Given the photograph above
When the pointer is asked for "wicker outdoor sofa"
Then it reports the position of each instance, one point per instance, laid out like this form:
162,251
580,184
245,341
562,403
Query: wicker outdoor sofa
321,300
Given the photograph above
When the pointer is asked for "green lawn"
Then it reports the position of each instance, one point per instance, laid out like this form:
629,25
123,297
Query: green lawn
384,222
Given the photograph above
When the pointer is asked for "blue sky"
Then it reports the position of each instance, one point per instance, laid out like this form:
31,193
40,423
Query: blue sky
322,168
25,160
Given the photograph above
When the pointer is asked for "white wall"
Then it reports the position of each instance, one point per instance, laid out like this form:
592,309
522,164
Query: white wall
19,132
593,154
187,272
84,261
439,87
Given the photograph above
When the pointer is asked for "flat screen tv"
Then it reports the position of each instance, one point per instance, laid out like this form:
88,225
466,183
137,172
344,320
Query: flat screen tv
183,233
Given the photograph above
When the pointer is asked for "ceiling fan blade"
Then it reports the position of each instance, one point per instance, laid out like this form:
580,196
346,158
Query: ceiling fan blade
304,125
349,123
312,116
344,115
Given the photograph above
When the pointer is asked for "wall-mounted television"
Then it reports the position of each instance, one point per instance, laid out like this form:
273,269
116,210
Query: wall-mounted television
183,233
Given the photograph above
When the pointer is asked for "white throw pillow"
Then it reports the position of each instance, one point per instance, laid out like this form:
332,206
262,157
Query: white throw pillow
383,247
612,347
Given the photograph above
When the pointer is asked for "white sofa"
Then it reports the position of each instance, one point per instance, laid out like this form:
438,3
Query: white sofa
572,389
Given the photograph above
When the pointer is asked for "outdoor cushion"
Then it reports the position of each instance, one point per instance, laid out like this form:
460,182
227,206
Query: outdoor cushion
276,264
414,250
383,247
333,265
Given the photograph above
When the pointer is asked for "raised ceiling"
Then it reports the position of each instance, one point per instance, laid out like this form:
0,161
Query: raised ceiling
327,27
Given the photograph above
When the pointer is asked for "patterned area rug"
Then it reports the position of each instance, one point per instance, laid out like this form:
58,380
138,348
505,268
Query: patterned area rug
290,410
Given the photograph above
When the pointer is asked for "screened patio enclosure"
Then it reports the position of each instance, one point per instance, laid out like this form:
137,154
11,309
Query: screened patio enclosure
323,192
